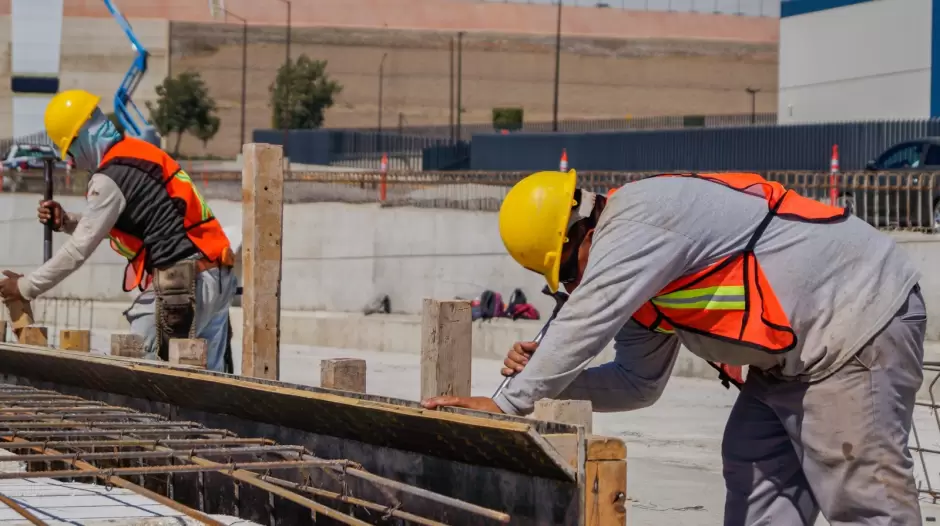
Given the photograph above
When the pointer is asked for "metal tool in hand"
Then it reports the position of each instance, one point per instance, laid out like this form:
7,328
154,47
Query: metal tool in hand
560,298
48,165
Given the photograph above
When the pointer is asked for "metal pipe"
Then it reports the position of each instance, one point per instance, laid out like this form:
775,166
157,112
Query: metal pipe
81,455
199,466
393,512
557,69
15,506
74,444
47,166
109,427
123,432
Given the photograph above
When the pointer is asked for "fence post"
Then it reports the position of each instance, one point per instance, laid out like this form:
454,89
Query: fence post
383,183
263,232
833,172
446,348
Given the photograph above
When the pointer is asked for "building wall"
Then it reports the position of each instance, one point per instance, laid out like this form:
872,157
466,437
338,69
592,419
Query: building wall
35,37
599,77
864,60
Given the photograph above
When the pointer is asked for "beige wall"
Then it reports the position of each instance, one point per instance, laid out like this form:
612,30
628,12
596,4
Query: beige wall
600,77
6,94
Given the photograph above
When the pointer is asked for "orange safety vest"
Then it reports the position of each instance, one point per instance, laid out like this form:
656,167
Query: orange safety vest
132,158
731,300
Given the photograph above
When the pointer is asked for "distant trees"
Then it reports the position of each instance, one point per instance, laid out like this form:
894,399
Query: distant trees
301,93
184,105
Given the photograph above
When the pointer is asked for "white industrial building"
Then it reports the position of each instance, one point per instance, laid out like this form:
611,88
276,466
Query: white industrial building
848,60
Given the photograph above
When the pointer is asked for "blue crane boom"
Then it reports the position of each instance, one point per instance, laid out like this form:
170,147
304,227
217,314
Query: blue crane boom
126,111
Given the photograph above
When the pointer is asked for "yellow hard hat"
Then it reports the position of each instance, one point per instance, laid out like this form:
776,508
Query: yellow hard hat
533,221
66,113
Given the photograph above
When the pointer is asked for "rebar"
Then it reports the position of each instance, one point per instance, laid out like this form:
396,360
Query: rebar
30,420
18,508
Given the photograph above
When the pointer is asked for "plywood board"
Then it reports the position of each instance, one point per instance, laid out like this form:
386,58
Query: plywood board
509,443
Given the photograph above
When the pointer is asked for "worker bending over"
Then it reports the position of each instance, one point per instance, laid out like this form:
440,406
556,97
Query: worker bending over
825,310
141,199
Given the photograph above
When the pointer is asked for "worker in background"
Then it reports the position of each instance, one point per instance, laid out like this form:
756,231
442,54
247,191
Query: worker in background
824,309
141,199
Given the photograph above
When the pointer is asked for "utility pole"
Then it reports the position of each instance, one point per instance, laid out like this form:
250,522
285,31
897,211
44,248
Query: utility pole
753,92
557,69
459,81
244,67
381,82
451,121
286,116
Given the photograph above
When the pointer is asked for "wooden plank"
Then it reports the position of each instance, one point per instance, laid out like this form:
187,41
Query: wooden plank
496,441
127,345
75,340
3,331
598,447
21,314
192,352
343,374
262,233
605,492
446,348
34,335
574,412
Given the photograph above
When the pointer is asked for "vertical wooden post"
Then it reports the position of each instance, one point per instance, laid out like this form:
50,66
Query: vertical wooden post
344,374
34,335
262,231
576,412
446,348
21,314
605,482
74,340
3,331
127,345
193,352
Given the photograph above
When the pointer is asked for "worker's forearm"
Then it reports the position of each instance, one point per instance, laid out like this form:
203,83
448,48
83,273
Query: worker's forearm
105,204
70,221
634,380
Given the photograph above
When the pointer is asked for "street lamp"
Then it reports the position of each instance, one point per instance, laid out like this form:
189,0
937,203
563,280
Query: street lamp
286,117
753,92
557,69
381,82
244,65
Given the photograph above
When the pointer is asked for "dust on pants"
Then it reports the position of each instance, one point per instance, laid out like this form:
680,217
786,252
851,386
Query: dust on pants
215,290
839,446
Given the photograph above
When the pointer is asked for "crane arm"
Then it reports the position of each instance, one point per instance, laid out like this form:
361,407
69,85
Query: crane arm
127,112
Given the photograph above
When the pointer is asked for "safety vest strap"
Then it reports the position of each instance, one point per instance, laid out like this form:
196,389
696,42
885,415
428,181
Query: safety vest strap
144,151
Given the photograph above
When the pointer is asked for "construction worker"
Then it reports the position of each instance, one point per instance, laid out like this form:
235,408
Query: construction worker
825,311
142,200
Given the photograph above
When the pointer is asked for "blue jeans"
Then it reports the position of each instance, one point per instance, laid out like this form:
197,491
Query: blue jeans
215,290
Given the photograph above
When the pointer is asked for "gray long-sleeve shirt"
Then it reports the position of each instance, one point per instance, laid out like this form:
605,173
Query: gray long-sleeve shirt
88,230
838,284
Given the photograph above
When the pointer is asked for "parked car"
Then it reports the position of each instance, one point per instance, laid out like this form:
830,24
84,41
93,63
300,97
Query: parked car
29,157
907,158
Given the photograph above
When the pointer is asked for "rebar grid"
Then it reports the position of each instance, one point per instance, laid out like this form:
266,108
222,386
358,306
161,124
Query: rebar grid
40,426
929,486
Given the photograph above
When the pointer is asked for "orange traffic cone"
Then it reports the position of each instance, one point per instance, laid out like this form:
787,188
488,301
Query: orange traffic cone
833,172
563,165
383,185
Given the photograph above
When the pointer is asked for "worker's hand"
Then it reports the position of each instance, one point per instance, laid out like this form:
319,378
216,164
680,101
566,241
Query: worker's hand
477,403
9,287
518,357
52,213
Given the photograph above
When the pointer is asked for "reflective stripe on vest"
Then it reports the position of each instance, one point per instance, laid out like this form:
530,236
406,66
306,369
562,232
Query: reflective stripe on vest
201,227
732,300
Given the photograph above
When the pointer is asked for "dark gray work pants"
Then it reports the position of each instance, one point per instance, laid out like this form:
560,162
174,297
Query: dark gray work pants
839,446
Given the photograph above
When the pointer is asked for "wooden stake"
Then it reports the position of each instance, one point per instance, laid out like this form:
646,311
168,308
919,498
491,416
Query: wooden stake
34,335
576,412
446,348
605,482
344,374
3,331
127,345
75,340
193,352
262,232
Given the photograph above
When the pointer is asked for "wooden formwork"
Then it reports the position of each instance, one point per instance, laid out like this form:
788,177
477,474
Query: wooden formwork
548,469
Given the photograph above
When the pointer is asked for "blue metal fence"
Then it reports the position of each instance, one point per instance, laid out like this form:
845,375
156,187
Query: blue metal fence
757,148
